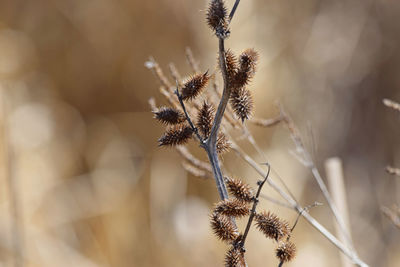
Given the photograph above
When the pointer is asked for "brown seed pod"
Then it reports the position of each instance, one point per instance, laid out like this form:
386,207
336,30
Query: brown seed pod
194,85
247,68
232,207
239,189
286,251
234,258
271,226
169,115
223,227
177,135
231,65
223,144
216,15
205,118
241,102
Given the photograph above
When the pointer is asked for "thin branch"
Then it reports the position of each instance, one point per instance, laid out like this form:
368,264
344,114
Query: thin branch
233,10
195,130
195,171
185,153
174,73
305,209
276,202
313,168
191,60
253,209
153,65
212,140
266,122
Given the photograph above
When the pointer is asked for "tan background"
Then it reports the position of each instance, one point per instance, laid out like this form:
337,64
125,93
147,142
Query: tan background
79,144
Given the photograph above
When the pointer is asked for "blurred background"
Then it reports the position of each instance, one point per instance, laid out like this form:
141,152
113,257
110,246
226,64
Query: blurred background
83,182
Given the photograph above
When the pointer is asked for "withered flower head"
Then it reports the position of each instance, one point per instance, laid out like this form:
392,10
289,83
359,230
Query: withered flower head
231,65
271,226
247,68
286,251
239,189
194,85
223,227
205,118
248,60
217,15
223,144
177,135
241,101
169,115
232,207
234,258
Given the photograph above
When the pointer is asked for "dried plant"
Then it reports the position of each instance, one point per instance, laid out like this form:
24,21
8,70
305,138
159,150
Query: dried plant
286,251
212,130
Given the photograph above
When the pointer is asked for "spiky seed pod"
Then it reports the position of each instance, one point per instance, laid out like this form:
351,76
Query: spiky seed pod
194,85
216,15
247,68
176,135
286,251
241,101
271,226
169,115
205,118
223,144
231,65
232,207
223,227
248,60
239,189
234,258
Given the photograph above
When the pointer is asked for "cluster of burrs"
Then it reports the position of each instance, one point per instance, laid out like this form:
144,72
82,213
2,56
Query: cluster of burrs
239,206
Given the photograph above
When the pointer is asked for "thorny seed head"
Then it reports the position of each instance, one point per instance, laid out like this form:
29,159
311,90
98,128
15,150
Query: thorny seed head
247,68
239,189
217,18
223,227
241,101
223,145
234,258
169,115
231,65
286,251
271,226
176,135
232,207
205,118
194,85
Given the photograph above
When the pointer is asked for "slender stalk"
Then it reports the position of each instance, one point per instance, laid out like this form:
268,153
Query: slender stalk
212,140
233,10
317,176
195,130
253,209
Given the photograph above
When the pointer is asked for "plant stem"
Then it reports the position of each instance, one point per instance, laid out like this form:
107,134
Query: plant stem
212,140
233,10
253,209
188,117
